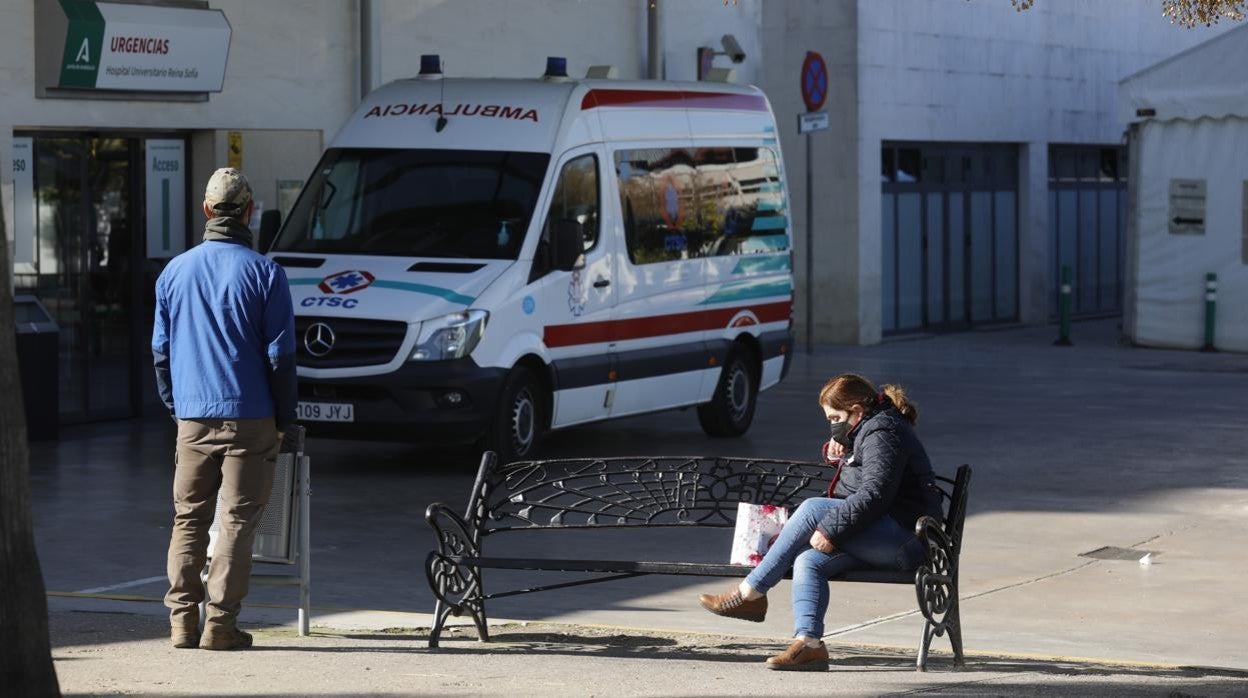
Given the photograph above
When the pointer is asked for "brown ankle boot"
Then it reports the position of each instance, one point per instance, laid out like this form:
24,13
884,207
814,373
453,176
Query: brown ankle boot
732,605
799,657
225,639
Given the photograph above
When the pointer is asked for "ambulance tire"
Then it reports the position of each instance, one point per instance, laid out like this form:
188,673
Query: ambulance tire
521,418
731,411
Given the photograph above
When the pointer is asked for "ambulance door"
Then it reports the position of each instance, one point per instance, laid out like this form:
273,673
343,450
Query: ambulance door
659,337
575,308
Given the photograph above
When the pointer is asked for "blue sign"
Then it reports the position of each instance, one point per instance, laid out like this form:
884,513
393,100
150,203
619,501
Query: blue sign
529,305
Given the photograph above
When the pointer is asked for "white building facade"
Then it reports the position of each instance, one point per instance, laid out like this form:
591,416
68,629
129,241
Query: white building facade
941,192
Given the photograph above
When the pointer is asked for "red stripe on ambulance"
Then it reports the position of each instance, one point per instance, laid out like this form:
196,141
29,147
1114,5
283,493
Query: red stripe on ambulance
681,99
659,325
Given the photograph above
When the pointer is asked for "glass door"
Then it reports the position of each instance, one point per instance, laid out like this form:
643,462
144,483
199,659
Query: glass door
86,225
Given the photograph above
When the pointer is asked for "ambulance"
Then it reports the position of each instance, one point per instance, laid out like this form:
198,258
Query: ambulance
485,260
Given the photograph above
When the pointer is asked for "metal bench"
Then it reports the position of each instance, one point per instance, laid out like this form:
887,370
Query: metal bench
556,495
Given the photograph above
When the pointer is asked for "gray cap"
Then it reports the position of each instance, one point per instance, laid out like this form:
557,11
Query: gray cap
228,192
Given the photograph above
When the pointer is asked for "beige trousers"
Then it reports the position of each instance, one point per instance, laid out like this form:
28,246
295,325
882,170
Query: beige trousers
232,459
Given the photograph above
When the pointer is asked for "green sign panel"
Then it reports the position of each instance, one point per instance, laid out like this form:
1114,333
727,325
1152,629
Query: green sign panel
83,42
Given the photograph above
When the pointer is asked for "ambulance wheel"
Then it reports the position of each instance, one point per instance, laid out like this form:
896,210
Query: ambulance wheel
521,418
731,410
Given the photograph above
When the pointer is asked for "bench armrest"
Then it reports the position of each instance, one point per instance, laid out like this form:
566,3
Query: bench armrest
451,583
454,535
936,581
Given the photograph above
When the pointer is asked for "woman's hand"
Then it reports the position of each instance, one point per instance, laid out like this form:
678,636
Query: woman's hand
832,450
823,545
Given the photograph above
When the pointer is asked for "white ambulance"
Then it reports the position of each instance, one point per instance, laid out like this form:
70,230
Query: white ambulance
485,260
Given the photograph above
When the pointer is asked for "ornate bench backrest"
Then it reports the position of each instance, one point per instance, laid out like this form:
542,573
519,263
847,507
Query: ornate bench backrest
622,492
957,507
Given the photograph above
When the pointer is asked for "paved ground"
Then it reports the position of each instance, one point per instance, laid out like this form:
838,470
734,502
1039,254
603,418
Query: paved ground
1074,449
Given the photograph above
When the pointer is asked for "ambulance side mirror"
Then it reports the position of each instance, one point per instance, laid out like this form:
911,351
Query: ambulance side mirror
569,239
270,223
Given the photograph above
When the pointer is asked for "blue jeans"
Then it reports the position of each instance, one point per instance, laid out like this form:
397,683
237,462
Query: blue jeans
883,544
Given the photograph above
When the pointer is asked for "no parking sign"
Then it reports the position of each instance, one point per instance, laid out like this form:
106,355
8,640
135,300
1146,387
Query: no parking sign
814,81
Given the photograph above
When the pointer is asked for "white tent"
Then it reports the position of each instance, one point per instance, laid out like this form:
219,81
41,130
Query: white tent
1188,182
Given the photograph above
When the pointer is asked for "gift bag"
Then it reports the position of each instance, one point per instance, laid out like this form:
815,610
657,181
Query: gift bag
758,526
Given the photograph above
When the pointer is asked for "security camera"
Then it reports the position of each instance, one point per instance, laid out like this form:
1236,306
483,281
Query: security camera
732,49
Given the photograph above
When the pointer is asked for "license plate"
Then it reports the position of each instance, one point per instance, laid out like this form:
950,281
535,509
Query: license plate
326,412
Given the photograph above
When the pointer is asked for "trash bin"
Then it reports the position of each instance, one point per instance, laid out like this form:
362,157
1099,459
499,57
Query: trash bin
38,353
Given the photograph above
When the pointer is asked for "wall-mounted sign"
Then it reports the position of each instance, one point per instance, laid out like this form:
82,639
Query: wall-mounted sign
131,48
1187,207
23,201
234,149
166,198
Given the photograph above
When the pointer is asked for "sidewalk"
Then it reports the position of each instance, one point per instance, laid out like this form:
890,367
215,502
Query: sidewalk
126,654
1074,449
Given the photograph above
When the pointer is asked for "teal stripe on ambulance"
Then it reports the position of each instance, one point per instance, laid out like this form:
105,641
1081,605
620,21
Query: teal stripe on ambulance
445,293
749,290
759,265
769,223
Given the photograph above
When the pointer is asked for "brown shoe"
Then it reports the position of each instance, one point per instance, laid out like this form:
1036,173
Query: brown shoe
184,638
799,657
732,605
232,639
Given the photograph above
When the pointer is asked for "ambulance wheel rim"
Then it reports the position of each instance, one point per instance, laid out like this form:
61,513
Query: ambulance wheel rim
523,422
738,392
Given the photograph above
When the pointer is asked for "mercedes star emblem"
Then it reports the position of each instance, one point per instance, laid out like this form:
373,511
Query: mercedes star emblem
318,339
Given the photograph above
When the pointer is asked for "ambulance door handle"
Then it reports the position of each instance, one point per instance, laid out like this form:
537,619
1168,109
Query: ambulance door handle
602,283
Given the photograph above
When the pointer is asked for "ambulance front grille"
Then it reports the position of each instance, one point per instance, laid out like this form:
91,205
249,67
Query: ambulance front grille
354,342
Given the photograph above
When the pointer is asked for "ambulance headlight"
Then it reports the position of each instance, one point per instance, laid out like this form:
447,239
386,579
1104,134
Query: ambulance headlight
451,336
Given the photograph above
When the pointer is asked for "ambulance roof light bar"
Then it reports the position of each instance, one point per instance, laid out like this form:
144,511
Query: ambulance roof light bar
430,67
556,69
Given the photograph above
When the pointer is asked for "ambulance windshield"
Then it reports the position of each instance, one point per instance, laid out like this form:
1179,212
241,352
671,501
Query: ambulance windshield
416,203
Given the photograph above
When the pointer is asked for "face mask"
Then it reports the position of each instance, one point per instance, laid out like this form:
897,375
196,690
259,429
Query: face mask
840,434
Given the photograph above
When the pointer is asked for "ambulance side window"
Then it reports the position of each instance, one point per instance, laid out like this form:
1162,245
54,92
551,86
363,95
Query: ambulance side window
657,198
750,215
575,198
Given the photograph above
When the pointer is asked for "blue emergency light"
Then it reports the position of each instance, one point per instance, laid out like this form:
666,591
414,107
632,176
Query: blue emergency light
430,64
556,67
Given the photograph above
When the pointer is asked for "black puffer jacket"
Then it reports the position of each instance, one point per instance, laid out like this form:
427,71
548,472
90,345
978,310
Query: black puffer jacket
889,474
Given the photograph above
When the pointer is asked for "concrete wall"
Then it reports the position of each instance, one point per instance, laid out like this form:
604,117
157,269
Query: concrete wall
790,29
950,70
480,38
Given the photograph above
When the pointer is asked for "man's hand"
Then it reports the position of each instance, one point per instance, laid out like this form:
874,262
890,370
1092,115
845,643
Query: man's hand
281,439
823,545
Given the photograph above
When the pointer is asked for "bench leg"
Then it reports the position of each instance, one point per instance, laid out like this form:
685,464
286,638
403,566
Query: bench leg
925,644
440,613
476,607
954,629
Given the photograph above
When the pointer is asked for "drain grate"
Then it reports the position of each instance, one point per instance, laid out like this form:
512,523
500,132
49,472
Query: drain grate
1110,552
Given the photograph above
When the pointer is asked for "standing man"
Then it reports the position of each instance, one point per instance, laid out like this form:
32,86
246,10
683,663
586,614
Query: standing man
224,348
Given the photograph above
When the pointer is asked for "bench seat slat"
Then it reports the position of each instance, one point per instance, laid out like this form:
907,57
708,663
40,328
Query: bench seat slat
693,569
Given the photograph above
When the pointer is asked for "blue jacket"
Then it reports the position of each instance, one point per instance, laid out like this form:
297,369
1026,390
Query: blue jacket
224,334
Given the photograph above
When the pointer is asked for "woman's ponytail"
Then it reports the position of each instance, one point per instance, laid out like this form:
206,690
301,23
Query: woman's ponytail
898,396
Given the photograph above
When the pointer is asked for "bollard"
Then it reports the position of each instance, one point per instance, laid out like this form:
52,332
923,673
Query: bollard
1063,337
1211,306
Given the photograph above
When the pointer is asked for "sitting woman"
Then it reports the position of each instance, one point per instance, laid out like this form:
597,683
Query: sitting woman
882,487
